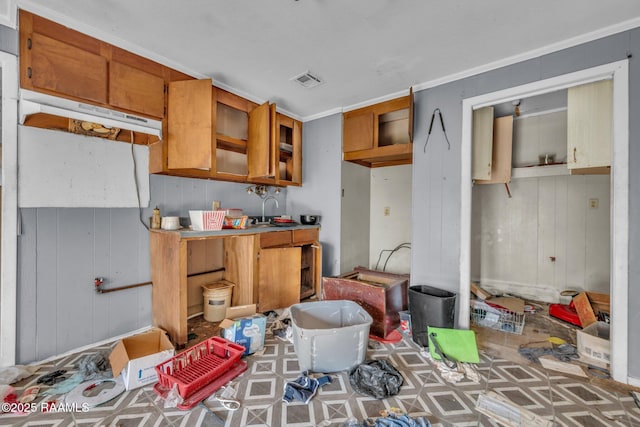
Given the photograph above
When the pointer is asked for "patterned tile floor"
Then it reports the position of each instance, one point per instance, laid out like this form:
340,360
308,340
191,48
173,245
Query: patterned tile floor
564,400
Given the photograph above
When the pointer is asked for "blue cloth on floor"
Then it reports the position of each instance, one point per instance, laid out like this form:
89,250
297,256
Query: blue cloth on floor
401,421
303,388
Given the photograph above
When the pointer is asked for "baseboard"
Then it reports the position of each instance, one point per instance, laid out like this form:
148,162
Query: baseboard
633,381
90,346
526,291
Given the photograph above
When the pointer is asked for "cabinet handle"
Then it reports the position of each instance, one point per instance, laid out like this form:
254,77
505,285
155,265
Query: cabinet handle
574,155
29,43
29,72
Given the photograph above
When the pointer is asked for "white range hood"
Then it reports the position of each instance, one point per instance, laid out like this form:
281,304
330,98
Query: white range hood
31,102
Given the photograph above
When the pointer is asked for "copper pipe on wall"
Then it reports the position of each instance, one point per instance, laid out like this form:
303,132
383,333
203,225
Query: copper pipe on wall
99,281
105,291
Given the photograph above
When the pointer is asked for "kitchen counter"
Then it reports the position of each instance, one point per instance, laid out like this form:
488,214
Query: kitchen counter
187,233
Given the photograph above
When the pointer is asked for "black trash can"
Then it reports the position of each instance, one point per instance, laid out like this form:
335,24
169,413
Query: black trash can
430,306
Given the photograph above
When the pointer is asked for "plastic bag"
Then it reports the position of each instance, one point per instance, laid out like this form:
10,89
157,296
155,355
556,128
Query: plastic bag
376,378
13,374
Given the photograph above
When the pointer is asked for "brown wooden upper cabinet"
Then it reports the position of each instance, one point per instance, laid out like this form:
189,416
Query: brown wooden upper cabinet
133,89
380,134
212,133
60,61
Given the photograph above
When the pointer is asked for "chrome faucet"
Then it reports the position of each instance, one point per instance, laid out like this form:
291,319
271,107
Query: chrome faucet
265,201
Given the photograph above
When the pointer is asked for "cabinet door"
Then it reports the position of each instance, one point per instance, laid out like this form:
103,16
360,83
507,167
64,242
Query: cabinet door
136,90
482,146
357,132
279,278
189,124
287,149
67,70
589,125
258,146
501,152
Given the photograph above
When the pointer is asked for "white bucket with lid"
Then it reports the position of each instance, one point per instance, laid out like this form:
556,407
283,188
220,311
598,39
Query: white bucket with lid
216,300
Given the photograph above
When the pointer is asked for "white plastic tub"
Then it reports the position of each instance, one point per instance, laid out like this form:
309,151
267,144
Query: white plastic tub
330,336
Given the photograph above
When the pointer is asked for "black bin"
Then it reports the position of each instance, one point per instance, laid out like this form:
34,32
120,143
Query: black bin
430,306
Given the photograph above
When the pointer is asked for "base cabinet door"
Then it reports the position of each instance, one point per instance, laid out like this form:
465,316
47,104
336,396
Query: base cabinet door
279,278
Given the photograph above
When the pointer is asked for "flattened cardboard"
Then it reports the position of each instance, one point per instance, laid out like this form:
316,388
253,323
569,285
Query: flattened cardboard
513,304
479,292
589,304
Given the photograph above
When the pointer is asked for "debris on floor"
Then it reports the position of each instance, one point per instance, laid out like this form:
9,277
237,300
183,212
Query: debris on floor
501,312
533,351
507,413
376,378
13,374
303,388
457,373
564,367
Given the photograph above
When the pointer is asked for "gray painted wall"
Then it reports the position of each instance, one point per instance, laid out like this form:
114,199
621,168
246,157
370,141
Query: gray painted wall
8,40
60,251
320,191
436,173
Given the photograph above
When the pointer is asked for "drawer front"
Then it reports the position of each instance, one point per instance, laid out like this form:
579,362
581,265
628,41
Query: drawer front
305,236
275,238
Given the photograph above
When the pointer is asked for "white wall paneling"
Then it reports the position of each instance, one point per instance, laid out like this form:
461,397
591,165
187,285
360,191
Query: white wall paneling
544,239
390,188
60,169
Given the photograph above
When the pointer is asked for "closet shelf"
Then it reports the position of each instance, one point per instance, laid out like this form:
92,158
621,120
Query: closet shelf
559,169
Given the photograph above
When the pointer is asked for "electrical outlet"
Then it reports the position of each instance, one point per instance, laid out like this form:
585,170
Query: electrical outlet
387,211
593,203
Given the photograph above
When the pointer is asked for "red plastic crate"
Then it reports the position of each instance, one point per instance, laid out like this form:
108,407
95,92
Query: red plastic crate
199,365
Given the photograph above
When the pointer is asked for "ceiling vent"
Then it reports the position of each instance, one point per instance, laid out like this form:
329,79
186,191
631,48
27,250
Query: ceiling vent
307,80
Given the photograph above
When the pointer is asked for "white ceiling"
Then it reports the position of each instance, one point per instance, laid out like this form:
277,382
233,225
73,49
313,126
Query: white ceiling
364,50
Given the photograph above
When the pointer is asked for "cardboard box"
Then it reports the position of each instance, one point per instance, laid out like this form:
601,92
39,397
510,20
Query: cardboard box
589,304
479,292
243,326
593,344
136,357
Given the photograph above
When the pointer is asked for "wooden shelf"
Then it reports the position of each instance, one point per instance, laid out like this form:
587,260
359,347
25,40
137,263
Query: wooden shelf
231,144
540,171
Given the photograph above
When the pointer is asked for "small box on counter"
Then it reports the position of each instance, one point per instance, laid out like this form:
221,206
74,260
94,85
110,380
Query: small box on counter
245,327
136,357
235,222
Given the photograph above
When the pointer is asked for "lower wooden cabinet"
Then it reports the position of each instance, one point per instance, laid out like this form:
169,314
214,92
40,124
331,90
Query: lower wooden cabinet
278,278
272,269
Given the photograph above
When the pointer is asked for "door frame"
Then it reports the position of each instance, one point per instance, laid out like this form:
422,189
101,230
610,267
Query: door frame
9,245
619,227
